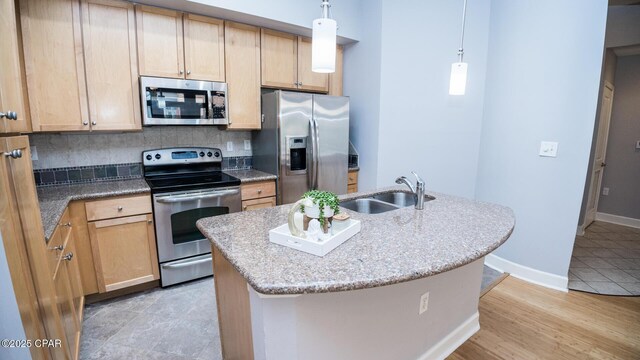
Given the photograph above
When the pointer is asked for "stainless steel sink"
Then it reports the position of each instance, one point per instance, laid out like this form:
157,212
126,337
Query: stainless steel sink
368,206
401,199
380,203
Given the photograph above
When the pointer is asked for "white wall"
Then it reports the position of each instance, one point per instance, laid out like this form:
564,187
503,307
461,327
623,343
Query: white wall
293,16
542,84
362,83
422,127
623,26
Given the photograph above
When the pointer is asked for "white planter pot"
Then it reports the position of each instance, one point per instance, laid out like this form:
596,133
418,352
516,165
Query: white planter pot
328,212
312,211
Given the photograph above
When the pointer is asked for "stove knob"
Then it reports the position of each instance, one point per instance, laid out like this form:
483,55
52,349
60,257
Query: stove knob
149,157
201,153
209,154
158,156
217,154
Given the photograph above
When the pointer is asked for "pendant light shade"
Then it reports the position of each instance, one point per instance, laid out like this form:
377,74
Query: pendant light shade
458,80
323,46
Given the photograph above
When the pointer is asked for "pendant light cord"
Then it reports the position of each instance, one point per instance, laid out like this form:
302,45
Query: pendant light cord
464,15
326,8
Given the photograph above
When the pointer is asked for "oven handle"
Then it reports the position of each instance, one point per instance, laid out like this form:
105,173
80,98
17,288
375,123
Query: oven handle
185,264
187,197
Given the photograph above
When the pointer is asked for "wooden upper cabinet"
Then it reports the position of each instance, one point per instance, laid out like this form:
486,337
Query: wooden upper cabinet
203,48
12,91
335,79
307,79
242,58
111,64
279,53
160,42
54,62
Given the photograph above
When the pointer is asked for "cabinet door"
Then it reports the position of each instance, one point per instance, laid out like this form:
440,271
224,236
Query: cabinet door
279,53
11,85
24,189
124,251
66,308
242,59
335,79
160,42
307,79
108,29
203,48
52,42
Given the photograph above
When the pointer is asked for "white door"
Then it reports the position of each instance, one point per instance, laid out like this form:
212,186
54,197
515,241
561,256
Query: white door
597,168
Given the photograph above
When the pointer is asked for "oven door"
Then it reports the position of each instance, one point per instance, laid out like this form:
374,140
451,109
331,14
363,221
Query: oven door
176,214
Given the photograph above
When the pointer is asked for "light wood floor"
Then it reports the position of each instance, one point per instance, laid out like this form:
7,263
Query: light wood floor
519,320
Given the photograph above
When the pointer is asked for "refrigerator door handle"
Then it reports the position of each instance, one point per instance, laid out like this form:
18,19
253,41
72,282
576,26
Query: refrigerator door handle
314,153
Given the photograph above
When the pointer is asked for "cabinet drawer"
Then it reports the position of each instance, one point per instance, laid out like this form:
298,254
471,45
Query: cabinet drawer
118,207
352,177
258,203
352,188
258,190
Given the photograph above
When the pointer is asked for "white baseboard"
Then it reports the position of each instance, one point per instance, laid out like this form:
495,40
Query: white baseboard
451,342
617,219
552,281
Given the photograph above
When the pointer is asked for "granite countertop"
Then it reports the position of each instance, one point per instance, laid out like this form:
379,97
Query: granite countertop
55,199
392,247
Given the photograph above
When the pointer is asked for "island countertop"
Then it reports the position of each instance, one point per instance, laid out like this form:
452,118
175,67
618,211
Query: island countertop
392,247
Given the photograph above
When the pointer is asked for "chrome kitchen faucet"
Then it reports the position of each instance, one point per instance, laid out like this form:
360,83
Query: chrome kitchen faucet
418,191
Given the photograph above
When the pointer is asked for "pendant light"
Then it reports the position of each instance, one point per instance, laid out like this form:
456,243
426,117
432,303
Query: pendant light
323,45
458,80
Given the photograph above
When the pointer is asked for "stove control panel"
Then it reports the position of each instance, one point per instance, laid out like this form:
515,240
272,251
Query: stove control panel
184,155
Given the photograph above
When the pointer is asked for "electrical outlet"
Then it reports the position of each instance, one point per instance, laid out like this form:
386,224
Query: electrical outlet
424,303
229,145
34,153
605,191
247,144
548,149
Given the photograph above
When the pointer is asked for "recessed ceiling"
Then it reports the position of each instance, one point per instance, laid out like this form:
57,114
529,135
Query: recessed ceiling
623,2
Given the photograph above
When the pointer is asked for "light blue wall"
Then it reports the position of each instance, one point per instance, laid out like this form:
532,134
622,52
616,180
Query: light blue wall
542,84
422,127
362,74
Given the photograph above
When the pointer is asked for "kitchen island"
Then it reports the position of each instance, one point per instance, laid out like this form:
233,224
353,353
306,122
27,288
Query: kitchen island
363,299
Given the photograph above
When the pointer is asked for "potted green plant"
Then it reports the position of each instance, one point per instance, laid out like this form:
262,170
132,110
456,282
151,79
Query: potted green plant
321,205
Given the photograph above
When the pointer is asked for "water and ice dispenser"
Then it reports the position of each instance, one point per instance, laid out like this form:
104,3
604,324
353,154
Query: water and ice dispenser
297,154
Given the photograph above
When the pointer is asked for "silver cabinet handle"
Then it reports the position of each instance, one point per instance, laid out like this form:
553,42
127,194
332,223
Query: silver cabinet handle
10,115
180,72
300,83
68,224
85,123
68,257
149,221
120,208
94,123
58,247
188,72
187,197
16,153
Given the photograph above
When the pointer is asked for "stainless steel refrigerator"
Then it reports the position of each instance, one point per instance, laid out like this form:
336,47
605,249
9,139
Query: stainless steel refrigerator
304,141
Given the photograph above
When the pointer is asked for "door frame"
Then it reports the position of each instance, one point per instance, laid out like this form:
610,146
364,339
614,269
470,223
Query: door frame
603,135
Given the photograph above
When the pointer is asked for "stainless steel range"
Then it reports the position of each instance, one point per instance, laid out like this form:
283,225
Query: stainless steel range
187,184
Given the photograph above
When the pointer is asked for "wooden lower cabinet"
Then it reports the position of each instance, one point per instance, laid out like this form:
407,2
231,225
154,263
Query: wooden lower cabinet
352,181
124,251
258,195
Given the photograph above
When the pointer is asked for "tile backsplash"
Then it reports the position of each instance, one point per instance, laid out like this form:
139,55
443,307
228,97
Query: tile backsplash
79,150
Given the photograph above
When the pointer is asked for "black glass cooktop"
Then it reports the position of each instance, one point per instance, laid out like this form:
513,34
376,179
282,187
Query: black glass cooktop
191,181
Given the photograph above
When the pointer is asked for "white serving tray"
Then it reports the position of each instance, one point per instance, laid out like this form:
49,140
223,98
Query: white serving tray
282,236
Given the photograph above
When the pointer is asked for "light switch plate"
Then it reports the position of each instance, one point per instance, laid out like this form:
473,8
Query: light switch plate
548,148
34,153
229,145
605,191
424,303
247,144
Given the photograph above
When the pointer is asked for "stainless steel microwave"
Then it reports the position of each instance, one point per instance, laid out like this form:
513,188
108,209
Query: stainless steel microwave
183,102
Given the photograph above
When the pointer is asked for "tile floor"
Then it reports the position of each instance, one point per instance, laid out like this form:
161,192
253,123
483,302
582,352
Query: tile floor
606,260
178,323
